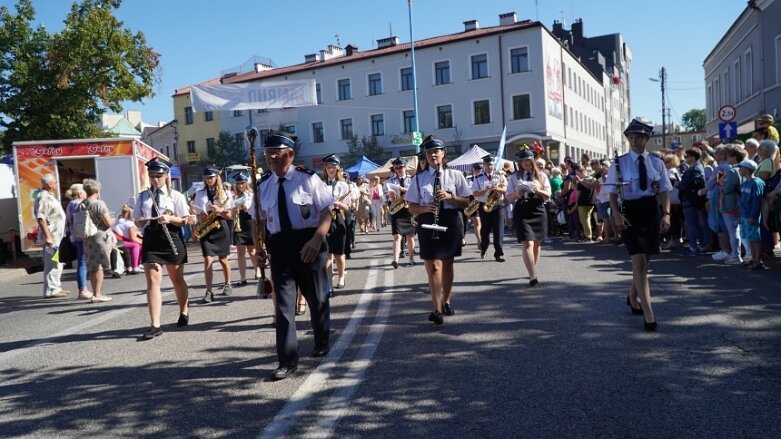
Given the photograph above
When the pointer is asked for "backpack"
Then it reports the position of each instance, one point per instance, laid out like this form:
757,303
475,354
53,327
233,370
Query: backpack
83,225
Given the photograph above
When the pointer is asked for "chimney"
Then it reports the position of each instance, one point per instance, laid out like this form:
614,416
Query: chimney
350,49
471,25
312,57
507,19
387,42
577,32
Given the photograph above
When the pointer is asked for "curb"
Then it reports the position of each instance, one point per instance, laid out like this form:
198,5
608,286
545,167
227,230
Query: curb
9,274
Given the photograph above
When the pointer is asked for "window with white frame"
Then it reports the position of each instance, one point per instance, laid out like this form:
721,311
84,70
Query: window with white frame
522,107
717,93
343,85
482,112
442,72
519,60
736,80
409,120
319,93
725,84
378,124
406,78
748,77
188,115
479,66
317,132
289,128
444,116
375,84
346,128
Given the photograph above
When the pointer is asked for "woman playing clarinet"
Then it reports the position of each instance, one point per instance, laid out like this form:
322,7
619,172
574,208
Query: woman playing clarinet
164,211
244,228
435,195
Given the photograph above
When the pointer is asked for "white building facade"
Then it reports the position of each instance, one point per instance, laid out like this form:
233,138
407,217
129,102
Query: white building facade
469,86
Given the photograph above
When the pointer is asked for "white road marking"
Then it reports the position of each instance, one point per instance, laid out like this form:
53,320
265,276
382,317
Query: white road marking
316,380
346,386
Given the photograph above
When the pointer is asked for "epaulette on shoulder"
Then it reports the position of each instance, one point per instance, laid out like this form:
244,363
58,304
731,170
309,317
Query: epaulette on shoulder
305,170
265,176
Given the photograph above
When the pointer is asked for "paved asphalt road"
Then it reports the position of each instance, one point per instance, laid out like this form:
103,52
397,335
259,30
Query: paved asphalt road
563,359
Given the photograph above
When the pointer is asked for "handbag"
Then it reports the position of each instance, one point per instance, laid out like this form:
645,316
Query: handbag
84,226
67,250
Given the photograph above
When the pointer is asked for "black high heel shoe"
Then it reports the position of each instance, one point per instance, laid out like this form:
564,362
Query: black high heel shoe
436,317
650,327
635,311
533,282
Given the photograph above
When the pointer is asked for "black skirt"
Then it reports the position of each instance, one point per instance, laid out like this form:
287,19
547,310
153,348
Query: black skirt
337,237
244,237
529,219
218,242
156,249
645,216
448,245
401,223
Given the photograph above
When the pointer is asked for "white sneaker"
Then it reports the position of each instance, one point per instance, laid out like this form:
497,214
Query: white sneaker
733,261
720,256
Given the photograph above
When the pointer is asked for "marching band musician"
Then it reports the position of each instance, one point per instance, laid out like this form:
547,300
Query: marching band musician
243,234
213,203
395,189
529,189
641,178
295,208
477,170
337,239
439,208
349,215
490,182
158,208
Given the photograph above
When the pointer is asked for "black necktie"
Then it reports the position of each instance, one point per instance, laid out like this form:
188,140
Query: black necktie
643,173
284,218
528,176
155,213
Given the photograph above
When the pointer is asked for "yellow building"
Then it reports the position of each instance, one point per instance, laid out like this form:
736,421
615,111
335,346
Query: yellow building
195,131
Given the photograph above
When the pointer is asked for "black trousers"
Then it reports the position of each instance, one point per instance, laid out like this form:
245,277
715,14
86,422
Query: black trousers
288,272
492,222
350,223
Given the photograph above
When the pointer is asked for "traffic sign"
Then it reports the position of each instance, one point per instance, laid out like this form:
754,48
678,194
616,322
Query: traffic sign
417,138
727,113
728,130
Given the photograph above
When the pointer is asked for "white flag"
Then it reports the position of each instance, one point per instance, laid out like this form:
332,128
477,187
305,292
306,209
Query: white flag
253,95
500,153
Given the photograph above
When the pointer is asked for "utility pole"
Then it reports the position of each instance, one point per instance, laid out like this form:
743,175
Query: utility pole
414,79
663,79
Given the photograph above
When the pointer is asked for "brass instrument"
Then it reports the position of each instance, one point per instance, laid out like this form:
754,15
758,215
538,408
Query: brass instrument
472,207
236,220
398,204
413,219
335,210
493,200
211,223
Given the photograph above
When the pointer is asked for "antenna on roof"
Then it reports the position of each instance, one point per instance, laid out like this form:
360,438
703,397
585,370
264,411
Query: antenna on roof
337,40
563,19
390,29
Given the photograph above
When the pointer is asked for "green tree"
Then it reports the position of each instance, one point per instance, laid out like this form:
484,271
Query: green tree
368,146
694,119
57,85
227,150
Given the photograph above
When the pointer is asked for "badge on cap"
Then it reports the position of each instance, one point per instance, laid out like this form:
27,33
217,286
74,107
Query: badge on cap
158,166
279,139
640,125
332,159
241,178
211,171
431,143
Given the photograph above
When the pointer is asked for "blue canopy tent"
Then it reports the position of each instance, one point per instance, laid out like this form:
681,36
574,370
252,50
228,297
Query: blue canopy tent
361,167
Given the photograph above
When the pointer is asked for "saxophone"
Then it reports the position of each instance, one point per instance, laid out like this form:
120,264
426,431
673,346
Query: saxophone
211,223
493,200
335,210
236,220
472,207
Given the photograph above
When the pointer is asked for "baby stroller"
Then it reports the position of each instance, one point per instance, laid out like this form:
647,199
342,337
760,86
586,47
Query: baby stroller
557,217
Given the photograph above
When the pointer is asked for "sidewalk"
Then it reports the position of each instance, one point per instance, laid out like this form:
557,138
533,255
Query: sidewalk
15,269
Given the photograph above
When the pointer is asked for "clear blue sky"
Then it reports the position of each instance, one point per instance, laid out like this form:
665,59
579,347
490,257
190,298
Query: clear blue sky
198,39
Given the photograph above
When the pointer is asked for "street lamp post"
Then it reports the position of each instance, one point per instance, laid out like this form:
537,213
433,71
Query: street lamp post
662,79
174,124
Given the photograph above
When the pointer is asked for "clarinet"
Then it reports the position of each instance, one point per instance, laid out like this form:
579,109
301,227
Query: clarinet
437,188
619,181
164,226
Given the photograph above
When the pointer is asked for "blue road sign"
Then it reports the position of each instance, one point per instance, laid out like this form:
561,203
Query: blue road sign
728,130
